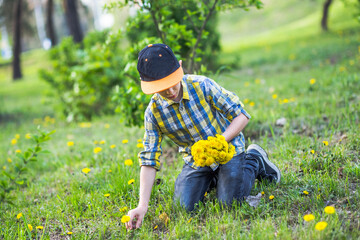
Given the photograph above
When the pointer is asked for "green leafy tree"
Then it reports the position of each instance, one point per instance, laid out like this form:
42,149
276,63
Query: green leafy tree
187,26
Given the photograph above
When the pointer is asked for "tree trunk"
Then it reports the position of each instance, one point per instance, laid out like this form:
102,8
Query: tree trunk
324,19
50,23
16,64
72,18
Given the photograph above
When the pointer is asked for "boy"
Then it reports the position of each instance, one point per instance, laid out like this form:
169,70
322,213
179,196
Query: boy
188,108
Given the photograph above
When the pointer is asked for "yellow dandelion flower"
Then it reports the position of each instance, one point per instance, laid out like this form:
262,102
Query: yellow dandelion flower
107,125
274,96
351,62
156,227
285,100
189,220
4,167
69,233
17,151
102,142
40,227
329,210
9,160
97,150
246,100
139,145
128,162
164,217
252,104
107,195
19,215
246,84
28,136
123,209
85,125
271,197
86,170
312,81
113,146
205,194
125,141
125,219
312,151
131,181
342,69
325,143
321,226
70,144
309,217
30,227
13,141
292,57
109,170
139,140
306,192
17,136
257,81
262,193
96,142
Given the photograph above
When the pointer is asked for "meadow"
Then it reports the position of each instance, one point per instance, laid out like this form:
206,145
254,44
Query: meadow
89,178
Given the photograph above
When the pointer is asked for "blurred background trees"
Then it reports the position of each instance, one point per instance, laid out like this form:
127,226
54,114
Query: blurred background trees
94,66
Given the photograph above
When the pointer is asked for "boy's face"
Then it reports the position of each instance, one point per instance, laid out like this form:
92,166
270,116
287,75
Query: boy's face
172,93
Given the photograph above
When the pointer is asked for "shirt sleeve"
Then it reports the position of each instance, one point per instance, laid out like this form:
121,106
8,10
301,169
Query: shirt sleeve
150,156
226,102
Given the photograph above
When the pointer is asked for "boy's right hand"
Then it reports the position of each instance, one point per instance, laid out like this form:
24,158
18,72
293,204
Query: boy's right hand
136,217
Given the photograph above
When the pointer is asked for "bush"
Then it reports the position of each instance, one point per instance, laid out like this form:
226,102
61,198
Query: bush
84,76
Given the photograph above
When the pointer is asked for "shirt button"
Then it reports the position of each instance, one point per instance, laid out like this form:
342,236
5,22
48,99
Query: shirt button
181,108
190,126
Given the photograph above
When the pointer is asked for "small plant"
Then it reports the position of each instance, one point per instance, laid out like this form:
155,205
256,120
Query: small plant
15,176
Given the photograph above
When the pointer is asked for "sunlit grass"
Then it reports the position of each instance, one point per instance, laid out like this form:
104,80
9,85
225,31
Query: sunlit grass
312,82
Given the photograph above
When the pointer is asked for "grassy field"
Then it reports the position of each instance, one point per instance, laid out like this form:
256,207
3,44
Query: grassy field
311,80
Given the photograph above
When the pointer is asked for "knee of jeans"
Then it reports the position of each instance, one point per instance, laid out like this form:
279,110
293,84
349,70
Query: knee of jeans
185,203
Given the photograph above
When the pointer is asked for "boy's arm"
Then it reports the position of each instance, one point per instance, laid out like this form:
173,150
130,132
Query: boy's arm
235,127
147,178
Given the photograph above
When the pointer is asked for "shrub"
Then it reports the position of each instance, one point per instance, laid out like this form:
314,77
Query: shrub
84,76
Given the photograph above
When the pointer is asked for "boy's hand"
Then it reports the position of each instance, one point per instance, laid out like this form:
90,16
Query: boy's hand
136,217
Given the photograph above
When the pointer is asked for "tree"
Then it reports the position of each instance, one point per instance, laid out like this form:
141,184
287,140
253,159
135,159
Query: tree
324,19
184,25
50,23
72,18
17,40
18,19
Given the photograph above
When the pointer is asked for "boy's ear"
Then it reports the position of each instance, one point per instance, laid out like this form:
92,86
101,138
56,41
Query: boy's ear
180,62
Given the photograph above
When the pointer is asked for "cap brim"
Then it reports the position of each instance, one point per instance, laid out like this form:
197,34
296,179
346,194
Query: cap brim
150,87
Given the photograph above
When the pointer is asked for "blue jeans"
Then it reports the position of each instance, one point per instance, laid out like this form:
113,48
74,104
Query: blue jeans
233,181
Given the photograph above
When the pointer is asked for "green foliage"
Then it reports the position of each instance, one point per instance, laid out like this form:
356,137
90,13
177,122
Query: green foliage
84,76
189,27
64,199
12,177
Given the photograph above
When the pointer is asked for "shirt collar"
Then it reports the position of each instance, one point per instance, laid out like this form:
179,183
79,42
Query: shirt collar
167,102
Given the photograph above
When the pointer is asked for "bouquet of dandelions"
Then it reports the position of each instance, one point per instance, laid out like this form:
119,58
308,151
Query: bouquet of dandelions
212,150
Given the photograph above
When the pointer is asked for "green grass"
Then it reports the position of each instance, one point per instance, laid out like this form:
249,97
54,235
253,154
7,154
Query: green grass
59,197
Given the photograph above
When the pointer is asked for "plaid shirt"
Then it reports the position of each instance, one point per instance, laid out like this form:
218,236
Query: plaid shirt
206,109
